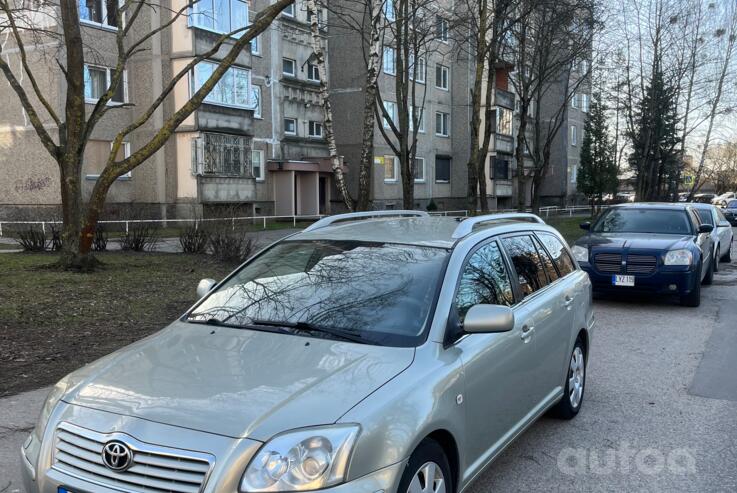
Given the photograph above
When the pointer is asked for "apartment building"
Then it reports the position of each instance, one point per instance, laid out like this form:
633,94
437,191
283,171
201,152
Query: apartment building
442,88
256,145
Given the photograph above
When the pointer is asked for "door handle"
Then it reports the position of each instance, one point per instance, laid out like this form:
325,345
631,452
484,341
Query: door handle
527,332
568,302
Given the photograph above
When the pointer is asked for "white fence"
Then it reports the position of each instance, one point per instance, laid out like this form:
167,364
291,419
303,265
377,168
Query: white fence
263,221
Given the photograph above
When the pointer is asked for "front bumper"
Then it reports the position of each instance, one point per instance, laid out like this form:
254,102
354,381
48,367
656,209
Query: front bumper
665,282
41,476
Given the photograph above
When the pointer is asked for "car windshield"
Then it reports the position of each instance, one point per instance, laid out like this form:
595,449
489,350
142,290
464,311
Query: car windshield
658,221
381,293
732,204
705,216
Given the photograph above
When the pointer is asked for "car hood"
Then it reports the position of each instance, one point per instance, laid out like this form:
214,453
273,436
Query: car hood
235,382
638,241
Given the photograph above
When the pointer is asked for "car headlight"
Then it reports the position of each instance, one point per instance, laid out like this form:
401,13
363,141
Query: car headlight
57,392
301,460
678,257
580,253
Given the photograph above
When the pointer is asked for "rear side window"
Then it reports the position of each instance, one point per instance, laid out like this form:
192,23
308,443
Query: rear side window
527,263
559,253
547,261
484,280
705,216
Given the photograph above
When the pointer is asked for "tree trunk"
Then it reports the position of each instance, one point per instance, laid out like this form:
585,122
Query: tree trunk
336,162
72,256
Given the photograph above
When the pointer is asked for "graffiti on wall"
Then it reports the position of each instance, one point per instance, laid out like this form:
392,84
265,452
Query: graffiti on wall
32,184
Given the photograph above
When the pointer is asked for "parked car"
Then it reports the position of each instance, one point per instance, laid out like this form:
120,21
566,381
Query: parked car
648,247
730,212
393,354
704,198
721,200
683,197
721,235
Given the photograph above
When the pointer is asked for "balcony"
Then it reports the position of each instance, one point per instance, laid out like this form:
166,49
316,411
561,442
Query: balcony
504,143
505,99
222,165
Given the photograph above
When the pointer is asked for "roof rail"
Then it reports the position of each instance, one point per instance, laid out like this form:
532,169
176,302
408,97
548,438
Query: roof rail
467,226
327,221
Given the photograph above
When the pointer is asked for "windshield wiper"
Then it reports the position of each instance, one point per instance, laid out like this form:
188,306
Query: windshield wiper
308,327
212,321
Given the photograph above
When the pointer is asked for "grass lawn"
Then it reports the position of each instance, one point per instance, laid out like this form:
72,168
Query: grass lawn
52,322
568,226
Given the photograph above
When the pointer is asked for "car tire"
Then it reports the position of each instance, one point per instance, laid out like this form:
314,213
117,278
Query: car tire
709,277
428,459
573,392
692,299
727,257
716,258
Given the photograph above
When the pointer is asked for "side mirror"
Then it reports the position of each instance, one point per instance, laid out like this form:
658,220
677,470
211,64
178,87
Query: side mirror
482,319
585,225
205,286
706,228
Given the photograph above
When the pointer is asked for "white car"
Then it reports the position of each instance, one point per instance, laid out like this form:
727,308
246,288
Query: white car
721,200
721,234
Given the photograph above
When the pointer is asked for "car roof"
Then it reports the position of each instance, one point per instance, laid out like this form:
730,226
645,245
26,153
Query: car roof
701,205
431,231
654,205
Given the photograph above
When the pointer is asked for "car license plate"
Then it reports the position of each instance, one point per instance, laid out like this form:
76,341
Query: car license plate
620,280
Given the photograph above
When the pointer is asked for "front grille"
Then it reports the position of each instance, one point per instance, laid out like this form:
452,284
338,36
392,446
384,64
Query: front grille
78,452
608,262
641,264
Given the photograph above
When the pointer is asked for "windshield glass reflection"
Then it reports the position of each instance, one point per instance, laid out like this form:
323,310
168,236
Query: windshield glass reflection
381,292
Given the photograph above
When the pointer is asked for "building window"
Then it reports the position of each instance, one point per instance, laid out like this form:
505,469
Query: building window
391,109
390,61
96,154
420,116
501,169
442,124
503,121
574,173
389,11
98,79
390,168
289,67
288,10
256,99
421,69
442,169
99,12
585,103
441,28
233,88
222,16
442,77
313,73
419,170
574,100
314,129
257,165
256,45
583,67
574,135
290,126
221,154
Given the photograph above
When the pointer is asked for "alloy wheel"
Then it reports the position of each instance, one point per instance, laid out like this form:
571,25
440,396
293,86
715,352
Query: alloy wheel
576,377
428,479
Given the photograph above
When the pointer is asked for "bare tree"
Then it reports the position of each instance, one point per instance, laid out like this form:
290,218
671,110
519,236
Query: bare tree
549,46
74,127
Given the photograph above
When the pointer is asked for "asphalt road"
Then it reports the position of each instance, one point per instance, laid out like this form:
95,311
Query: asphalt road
659,413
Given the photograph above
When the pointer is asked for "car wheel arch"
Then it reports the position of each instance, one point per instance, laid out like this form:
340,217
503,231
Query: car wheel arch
447,441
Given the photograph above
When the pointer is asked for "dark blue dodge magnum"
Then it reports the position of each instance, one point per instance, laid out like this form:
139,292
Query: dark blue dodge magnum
648,247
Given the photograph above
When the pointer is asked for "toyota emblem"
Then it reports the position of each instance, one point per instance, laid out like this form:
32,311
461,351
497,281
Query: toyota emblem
117,456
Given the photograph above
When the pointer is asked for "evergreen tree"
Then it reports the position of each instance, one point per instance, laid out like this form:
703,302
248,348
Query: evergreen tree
655,140
597,173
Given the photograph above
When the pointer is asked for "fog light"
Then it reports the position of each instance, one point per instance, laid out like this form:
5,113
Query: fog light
673,287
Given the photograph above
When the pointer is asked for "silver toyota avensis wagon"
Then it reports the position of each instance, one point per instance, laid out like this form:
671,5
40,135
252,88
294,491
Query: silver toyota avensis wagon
395,353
